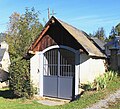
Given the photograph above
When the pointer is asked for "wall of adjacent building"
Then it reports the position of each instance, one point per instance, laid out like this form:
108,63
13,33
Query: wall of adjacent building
34,70
90,68
4,45
5,61
6,58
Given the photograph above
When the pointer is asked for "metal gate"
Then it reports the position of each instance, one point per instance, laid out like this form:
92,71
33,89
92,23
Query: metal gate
59,72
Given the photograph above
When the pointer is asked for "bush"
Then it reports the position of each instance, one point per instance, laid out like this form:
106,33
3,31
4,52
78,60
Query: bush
20,79
22,31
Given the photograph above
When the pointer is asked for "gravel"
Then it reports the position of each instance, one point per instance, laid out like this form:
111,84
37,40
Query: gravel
50,103
104,104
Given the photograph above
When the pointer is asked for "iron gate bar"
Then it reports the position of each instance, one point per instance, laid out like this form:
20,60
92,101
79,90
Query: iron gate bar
58,62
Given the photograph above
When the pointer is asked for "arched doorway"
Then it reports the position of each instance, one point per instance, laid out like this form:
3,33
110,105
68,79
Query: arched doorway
59,73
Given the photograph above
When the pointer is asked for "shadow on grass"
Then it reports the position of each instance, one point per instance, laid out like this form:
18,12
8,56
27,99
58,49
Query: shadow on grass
77,96
7,94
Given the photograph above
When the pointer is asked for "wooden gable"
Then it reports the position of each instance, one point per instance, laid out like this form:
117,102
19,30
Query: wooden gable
55,34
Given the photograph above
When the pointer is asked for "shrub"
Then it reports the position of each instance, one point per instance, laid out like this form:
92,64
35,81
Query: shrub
23,30
20,79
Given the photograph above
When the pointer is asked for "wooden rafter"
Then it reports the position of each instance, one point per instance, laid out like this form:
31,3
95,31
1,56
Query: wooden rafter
39,38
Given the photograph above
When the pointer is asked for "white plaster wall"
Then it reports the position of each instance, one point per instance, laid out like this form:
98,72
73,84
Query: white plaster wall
90,68
6,58
4,45
5,61
34,70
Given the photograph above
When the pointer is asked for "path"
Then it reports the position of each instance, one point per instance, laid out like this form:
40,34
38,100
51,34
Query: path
51,103
104,104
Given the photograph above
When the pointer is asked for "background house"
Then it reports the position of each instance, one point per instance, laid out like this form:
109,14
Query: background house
63,58
98,43
4,63
112,50
113,44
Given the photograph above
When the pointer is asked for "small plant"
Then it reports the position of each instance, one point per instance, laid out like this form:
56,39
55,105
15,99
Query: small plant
110,75
100,82
88,87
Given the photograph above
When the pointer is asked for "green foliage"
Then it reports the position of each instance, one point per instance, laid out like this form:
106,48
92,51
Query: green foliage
23,29
100,82
22,32
19,78
110,75
88,87
100,34
113,33
87,99
117,28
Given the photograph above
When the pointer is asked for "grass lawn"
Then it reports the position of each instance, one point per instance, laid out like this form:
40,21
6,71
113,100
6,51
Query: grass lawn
7,101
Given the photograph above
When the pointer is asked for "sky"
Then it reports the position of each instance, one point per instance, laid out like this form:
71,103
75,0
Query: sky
86,15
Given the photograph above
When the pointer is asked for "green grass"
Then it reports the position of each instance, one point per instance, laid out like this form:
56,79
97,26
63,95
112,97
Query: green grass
8,101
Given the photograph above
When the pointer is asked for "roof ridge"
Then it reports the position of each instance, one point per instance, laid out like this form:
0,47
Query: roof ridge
80,36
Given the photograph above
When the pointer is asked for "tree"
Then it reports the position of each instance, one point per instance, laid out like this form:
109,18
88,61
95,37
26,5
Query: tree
91,35
117,28
22,30
112,34
14,18
115,31
100,34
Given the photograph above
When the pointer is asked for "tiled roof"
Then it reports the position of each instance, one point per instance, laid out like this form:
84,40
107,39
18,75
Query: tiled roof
99,42
80,36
